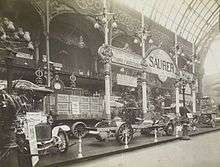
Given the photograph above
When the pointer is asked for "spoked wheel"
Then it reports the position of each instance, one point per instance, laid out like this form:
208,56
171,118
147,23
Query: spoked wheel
121,133
101,125
169,129
79,130
63,143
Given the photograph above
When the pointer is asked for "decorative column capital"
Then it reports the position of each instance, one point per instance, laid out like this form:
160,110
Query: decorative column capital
105,52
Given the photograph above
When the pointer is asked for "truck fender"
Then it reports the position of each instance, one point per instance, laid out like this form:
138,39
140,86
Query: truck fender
56,129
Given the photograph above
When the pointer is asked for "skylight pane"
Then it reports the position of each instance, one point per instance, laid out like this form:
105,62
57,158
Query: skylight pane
175,14
163,20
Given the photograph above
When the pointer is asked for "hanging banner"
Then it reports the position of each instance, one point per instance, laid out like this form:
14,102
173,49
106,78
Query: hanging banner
126,80
157,62
128,59
160,63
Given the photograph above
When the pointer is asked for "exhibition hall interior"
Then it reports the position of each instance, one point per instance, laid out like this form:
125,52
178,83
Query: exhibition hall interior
109,83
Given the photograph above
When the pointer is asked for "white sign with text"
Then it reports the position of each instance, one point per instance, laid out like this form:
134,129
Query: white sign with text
160,63
126,80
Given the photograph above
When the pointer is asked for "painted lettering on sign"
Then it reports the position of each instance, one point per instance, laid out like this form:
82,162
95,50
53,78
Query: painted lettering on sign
157,62
126,80
160,63
122,57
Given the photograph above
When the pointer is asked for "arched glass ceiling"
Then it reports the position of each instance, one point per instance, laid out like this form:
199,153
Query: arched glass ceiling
191,19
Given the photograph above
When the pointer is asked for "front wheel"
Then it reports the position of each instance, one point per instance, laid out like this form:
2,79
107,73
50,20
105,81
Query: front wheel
121,133
63,144
101,124
169,129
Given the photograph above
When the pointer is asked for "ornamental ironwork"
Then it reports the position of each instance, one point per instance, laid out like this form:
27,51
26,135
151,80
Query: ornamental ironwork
39,77
72,80
105,52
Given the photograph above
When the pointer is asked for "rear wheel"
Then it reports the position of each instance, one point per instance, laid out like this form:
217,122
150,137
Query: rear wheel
64,143
79,130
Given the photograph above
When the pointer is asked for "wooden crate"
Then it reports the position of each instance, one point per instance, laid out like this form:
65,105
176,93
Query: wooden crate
94,108
95,100
84,99
74,108
62,98
62,112
63,107
74,98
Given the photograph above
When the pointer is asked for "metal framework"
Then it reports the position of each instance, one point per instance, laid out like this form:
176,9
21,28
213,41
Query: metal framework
190,19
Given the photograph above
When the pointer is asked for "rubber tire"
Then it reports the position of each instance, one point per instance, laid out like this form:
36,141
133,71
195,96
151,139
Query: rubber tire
120,130
66,140
168,132
100,125
74,131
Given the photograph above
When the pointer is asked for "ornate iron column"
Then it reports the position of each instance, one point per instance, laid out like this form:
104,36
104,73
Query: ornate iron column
177,98
144,93
183,90
47,31
193,85
106,53
144,84
144,35
177,85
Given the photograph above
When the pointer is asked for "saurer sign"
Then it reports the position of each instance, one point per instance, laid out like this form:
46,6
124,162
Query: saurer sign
160,63
156,61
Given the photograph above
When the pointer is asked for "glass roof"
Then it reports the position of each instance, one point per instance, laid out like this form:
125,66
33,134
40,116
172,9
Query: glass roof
191,19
